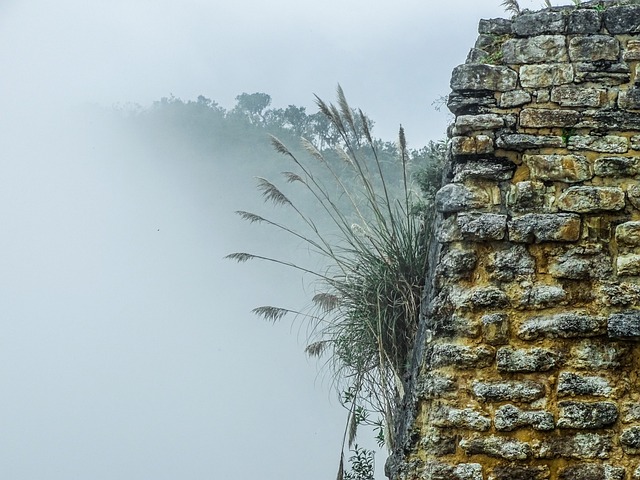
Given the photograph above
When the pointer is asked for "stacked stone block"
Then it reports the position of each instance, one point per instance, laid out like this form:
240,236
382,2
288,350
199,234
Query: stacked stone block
531,362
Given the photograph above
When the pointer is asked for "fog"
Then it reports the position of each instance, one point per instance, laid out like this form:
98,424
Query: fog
127,345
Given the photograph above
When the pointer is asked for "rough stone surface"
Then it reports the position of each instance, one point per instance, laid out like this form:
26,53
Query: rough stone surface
482,227
624,325
516,472
497,447
593,48
629,99
592,355
508,391
495,26
573,384
509,359
541,76
538,23
617,167
573,96
495,328
563,325
570,168
456,197
604,144
579,446
461,356
510,417
630,440
465,418
579,263
483,77
591,471
587,415
521,142
622,19
510,263
543,296
472,123
487,168
529,196
630,412
628,234
539,49
532,227
591,199
514,98
583,21
458,263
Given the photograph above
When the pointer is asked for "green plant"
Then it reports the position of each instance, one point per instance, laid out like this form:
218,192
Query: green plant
547,3
567,133
364,311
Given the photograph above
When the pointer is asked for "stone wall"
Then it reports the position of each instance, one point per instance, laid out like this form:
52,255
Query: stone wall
529,362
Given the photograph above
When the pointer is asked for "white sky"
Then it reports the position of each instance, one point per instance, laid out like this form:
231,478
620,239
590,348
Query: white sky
127,350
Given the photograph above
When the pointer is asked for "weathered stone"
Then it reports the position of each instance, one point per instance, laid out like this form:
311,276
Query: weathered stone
558,168
543,117
497,447
622,19
472,123
624,325
543,296
591,471
573,96
580,446
628,234
541,227
514,98
516,472
508,391
592,355
482,227
495,328
523,141
537,23
528,196
608,120
435,386
616,294
593,48
508,263
449,230
487,297
546,75
617,166
587,415
476,55
471,102
509,417
633,192
475,76
581,263
489,169
455,197
630,412
457,263
526,360
543,48
635,142
479,144
583,21
562,325
570,383
604,144
630,440
438,442
494,26
629,99
591,199
628,264
466,418
456,326
460,356
632,50
460,471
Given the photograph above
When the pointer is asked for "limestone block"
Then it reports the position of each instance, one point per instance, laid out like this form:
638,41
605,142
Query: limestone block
487,297
542,118
593,48
497,447
476,76
630,440
496,169
511,472
495,328
473,123
482,227
617,167
603,144
460,471
495,26
628,264
629,99
583,21
510,417
570,168
456,326
587,415
455,197
470,102
633,192
514,98
509,359
449,231
622,19
541,227
632,50
578,446
539,49
628,234
595,355
591,471
474,145
591,199
630,412
572,96
439,443
570,383
543,296
546,75
508,263
635,142
624,325
457,263
537,23
608,120
508,390
581,263
523,141
461,356
435,386
467,418
562,325
528,196
616,294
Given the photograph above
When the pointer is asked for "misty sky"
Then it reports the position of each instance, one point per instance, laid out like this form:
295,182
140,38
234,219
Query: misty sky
127,346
